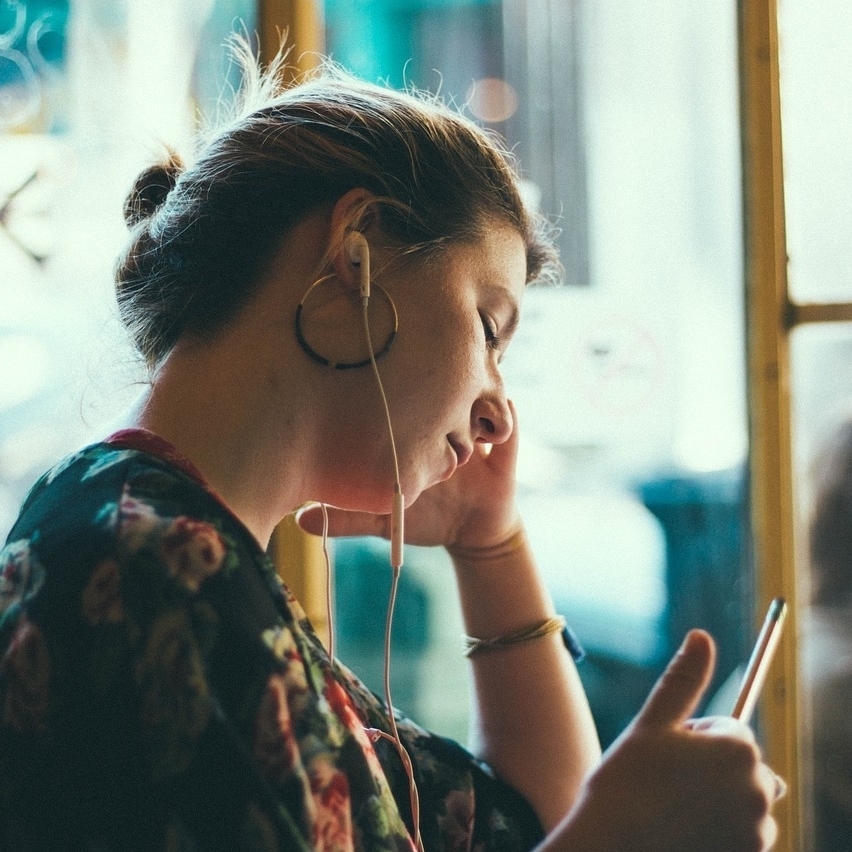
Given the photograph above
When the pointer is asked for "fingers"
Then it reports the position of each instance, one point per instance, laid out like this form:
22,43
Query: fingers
342,522
504,454
763,787
680,687
694,784
721,726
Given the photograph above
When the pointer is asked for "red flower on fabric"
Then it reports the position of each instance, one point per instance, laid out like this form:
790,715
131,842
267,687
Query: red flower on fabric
136,521
26,671
193,550
341,704
333,819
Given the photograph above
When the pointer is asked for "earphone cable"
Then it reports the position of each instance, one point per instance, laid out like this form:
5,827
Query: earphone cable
329,583
401,750
365,302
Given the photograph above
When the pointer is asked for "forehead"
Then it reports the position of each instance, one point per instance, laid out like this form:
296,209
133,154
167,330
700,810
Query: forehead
495,262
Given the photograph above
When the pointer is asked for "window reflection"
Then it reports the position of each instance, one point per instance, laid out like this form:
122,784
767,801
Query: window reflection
822,414
90,91
815,79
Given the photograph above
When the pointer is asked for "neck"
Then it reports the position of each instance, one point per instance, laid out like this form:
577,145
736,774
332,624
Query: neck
231,449
218,412
240,406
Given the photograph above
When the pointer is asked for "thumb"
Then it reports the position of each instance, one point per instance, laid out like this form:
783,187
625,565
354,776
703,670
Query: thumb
680,687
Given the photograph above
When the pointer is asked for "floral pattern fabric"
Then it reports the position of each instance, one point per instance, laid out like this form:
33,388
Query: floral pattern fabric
161,689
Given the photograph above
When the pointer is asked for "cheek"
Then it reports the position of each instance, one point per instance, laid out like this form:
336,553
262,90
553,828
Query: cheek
355,425
457,353
440,366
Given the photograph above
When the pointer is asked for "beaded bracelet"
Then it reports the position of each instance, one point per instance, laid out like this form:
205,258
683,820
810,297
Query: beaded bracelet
547,627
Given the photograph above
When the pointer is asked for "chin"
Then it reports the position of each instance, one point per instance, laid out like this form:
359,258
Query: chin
414,491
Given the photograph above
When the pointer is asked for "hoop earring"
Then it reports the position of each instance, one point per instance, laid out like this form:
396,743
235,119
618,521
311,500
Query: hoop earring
344,365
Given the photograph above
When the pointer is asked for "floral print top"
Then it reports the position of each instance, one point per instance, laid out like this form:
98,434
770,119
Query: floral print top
161,689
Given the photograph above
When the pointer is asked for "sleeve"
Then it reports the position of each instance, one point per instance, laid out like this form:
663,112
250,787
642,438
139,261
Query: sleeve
112,731
463,804
155,694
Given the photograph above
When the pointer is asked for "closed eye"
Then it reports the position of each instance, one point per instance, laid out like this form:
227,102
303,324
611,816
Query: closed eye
492,340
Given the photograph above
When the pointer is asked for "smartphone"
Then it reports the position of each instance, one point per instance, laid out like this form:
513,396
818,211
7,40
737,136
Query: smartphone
761,657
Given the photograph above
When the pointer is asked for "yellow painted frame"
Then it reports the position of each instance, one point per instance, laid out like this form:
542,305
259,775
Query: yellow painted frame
769,388
301,22
298,557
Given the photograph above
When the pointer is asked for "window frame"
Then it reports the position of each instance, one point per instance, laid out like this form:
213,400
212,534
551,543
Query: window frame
768,318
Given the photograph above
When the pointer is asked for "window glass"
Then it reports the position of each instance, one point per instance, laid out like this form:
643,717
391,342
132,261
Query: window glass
815,78
90,92
822,424
629,379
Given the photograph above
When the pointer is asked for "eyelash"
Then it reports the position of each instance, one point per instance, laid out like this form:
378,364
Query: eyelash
491,337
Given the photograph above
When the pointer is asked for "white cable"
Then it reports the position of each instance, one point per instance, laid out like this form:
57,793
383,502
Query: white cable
397,509
401,750
396,565
329,582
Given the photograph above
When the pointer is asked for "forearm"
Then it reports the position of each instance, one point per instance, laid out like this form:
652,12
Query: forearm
532,721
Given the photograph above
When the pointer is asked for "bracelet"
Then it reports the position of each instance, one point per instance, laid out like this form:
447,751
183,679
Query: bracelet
512,543
545,628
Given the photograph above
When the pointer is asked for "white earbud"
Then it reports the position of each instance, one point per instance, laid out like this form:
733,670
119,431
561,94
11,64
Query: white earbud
358,251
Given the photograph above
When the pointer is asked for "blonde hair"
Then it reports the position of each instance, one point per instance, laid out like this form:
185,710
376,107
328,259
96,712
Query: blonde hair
201,235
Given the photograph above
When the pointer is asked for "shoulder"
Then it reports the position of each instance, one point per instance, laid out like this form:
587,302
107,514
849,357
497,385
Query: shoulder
58,521
102,508
76,491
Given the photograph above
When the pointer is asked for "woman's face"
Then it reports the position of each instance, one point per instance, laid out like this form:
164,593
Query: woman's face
441,375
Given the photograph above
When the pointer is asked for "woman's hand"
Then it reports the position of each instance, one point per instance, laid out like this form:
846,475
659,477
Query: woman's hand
669,784
475,507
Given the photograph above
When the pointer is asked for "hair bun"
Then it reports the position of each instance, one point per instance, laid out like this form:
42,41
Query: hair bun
150,190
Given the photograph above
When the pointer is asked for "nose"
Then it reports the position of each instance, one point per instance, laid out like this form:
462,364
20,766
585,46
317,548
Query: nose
492,419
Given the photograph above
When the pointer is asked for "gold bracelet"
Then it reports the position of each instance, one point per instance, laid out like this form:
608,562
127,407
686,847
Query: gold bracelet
544,628
511,544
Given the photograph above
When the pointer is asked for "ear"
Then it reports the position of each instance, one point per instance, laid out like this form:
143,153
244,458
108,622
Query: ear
351,212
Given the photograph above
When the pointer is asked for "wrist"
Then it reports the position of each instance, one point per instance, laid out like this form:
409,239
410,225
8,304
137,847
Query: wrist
507,545
474,646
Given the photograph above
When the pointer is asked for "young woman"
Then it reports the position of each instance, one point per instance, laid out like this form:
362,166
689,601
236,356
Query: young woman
159,689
